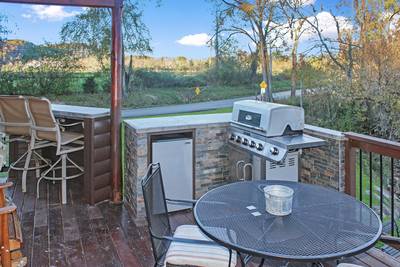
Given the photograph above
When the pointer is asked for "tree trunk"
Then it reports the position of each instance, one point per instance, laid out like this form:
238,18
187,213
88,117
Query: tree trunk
293,77
216,41
269,91
264,68
254,65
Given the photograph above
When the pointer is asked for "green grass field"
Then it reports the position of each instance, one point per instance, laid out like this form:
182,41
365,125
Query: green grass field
160,96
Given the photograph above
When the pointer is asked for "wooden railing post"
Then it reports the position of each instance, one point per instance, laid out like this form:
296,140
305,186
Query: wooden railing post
350,169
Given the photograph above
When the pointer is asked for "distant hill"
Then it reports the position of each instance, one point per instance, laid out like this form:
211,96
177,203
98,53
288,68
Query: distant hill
13,49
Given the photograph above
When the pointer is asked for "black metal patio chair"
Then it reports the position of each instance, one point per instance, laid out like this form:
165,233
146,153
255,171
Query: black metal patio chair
187,246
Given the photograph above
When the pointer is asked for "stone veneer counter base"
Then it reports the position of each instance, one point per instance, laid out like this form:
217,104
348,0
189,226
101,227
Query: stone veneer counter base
214,159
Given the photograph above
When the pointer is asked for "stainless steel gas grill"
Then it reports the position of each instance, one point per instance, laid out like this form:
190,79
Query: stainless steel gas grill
270,132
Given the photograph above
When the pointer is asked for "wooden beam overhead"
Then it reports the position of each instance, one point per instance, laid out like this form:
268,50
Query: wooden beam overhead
84,3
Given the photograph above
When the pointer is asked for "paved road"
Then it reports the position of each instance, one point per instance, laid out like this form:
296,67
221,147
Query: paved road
226,103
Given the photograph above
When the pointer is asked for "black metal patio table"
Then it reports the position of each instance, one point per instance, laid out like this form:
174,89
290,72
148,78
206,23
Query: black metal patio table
324,224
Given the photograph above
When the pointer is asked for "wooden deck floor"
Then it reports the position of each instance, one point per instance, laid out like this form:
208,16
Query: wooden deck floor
78,234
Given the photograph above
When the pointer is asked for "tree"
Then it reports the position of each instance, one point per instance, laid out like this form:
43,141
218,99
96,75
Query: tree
4,31
295,28
255,19
92,29
344,43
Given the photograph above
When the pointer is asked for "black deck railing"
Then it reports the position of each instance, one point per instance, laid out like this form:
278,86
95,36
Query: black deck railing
376,157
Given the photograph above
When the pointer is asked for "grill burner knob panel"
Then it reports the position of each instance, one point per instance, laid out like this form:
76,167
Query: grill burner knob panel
274,151
257,146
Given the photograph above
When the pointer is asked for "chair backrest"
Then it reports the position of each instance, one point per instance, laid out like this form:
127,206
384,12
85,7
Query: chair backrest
14,116
44,124
156,210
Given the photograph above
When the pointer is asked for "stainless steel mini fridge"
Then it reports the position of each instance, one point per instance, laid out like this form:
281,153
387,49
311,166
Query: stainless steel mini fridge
176,160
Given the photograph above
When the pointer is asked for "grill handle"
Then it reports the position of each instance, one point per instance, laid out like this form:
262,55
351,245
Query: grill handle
245,173
239,169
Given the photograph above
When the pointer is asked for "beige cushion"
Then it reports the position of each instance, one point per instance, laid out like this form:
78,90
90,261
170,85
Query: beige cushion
197,254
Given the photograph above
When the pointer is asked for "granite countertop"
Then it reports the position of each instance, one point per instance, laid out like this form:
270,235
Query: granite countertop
178,122
79,112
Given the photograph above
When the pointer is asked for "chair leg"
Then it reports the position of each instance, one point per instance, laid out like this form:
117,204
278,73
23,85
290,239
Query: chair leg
242,263
25,171
37,164
51,169
64,180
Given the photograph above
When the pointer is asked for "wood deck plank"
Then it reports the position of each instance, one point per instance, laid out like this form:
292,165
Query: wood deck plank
78,234
56,236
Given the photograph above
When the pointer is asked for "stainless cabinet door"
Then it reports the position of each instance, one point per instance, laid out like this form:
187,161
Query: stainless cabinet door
176,160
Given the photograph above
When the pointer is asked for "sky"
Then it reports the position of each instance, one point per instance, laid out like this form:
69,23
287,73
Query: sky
177,27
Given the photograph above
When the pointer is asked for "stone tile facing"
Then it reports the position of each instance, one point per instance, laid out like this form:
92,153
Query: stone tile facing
324,165
215,162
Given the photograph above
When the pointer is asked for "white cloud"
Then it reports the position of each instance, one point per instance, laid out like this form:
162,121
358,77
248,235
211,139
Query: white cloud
301,2
199,39
27,16
49,13
326,24
307,2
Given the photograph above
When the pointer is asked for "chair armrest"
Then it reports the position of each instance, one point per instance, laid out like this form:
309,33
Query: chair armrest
181,202
8,209
185,240
5,185
191,241
70,124
391,241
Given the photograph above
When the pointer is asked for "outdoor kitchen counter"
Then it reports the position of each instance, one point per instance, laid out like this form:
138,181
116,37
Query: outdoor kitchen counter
211,154
79,112
214,160
95,157
148,125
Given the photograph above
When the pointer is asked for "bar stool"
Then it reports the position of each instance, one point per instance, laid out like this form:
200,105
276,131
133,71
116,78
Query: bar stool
45,127
16,124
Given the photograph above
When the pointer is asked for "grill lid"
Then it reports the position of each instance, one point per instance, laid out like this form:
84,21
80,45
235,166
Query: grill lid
270,118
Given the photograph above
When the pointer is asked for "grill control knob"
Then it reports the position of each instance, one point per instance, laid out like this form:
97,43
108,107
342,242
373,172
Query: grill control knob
274,151
252,144
260,147
238,139
245,142
232,137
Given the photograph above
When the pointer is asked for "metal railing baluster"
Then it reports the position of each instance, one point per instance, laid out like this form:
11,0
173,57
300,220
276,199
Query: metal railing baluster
381,186
361,164
370,179
392,197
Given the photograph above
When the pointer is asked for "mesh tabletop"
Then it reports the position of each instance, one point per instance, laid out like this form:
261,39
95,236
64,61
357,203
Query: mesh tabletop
324,224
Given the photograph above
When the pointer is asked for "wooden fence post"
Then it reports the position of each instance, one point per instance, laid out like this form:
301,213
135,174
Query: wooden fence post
350,169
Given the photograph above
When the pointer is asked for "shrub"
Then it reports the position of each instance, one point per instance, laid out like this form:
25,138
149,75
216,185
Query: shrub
89,87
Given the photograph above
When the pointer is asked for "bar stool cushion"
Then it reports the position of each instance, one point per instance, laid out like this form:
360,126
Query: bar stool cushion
69,137
180,253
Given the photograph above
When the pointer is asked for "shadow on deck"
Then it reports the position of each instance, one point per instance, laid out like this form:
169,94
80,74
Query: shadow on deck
78,234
